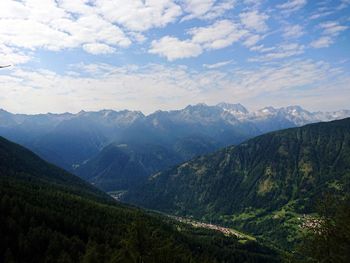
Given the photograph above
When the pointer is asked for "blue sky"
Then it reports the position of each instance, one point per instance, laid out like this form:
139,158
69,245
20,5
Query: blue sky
69,55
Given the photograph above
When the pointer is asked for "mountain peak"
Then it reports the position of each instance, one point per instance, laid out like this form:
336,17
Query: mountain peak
295,108
4,111
268,110
196,106
233,108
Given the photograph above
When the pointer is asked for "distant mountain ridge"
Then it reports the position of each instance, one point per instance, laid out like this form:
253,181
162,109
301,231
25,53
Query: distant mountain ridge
71,141
295,114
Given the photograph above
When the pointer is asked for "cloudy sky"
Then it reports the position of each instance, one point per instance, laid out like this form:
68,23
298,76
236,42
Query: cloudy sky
69,55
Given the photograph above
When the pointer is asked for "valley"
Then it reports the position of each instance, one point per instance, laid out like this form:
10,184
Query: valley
49,215
116,149
226,231
261,186
256,196
174,131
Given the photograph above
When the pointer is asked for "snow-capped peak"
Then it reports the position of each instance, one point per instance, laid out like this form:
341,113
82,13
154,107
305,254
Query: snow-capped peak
233,108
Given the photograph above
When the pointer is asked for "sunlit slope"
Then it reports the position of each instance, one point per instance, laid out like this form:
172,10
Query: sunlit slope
261,185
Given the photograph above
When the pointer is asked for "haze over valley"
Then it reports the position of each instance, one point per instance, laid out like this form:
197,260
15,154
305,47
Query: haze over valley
116,149
156,131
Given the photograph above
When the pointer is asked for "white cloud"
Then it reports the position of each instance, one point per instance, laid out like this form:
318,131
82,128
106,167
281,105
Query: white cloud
31,34
254,20
217,65
221,34
139,15
320,14
252,39
219,9
138,37
205,9
282,76
56,25
107,86
287,50
262,48
322,42
253,3
293,31
344,4
96,26
98,48
330,30
292,5
282,51
173,48
12,56
196,8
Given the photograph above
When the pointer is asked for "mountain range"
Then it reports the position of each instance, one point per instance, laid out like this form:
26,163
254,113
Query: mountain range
266,186
77,142
173,162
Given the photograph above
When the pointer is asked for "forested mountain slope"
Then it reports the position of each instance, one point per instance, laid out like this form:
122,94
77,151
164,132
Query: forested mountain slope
18,163
262,185
121,166
49,215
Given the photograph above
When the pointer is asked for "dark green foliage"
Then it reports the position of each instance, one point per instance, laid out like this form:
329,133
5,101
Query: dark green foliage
192,146
328,240
261,186
49,215
120,166
18,162
38,225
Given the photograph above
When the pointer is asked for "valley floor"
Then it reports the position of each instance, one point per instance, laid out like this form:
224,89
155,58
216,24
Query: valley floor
226,231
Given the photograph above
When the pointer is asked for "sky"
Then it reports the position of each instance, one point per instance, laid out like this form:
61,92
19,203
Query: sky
72,55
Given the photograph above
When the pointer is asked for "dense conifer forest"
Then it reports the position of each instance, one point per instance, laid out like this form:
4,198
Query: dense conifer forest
48,215
266,186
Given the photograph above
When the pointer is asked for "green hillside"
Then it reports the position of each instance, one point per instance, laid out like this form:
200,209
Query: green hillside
120,166
263,186
49,215
16,162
